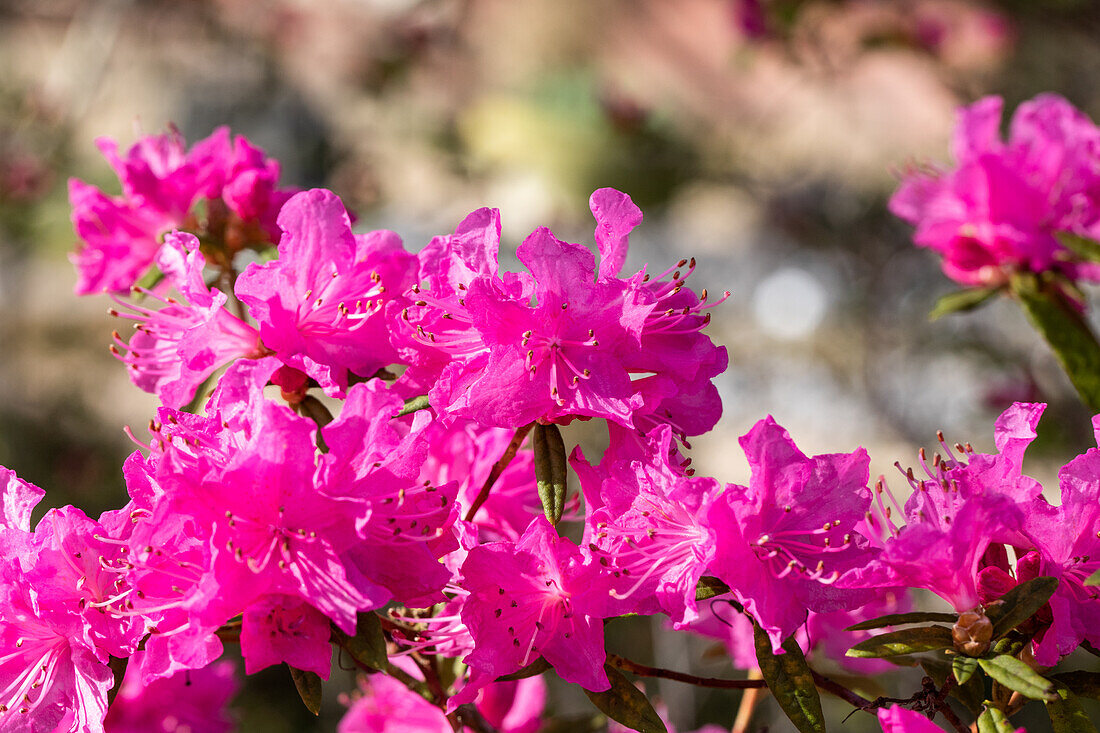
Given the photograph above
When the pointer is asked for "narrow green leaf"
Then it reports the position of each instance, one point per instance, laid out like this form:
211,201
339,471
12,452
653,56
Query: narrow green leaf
993,720
791,682
550,470
1065,331
709,587
152,277
1016,675
1082,684
309,687
1066,713
906,641
627,704
1093,579
898,619
414,405
961,300
1020,604
963,668
538,666
1085,248
368,646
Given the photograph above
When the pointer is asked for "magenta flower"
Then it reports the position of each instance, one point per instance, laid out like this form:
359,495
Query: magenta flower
162,182
195,700
321,304
999,209
522,605
647,528
785,540
384,705
174,349
280,628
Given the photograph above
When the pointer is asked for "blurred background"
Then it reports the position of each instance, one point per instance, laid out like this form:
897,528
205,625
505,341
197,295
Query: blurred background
764,137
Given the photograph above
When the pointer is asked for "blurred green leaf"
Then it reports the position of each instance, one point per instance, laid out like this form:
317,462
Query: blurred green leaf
1085,248
961,300
538,666
1016,675
627,704
414,405
1066,332
791,682
906,641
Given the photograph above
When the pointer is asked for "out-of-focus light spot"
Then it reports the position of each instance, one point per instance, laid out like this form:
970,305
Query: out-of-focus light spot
789,303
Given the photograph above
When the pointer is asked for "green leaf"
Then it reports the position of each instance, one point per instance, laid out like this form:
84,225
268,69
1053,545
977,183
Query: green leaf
791,682
1020,604
709,587
152,277
368,646
1093,579
627,704
118,671
1016,675
963,668
309,687
993,720
961,300
897,619
906,641
414,405
550,470
1066,332
1066,713
1085,248
538,666
1082,684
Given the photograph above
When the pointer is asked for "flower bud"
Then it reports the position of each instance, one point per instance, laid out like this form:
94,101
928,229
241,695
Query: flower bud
972,633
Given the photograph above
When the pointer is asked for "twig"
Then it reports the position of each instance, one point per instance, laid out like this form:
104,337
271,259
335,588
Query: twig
645,671
498,469
857,701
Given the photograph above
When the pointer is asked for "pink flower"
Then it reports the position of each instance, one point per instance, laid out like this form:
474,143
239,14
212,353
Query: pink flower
194,700
999,210
321,304
174,349
521,604
162,182
280,628
647,528
785,540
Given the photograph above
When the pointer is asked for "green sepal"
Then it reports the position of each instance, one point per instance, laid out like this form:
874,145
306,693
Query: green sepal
414,405
626,704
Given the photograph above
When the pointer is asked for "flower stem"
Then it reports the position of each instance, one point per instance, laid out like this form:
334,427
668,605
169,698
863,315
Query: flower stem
498,469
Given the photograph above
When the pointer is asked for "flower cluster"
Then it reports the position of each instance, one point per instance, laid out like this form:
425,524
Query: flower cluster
1002,207
419,521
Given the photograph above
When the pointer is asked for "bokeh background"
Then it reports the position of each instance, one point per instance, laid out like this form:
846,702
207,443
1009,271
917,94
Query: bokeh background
764,137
